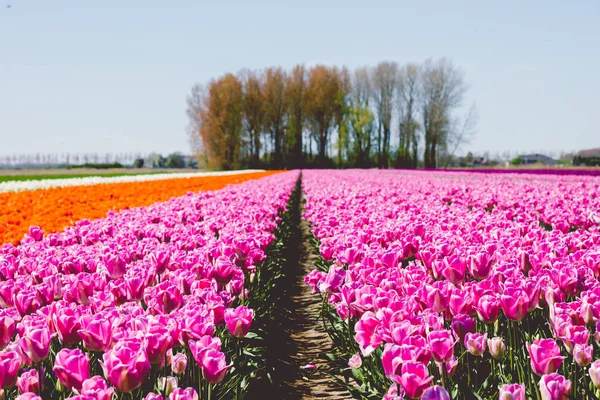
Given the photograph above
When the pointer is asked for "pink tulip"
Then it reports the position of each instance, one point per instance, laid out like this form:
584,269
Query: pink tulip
28,396
461,325
67,323
480,265
514,391
184,394
475,343
115,266
179,363
10,362
583,354
333,280
435,393
168,384
158,340
72,367
355,361
126,365
213,365
96,333
594,372
7,330
29,381
153,396
441,345
496,347
515,303
415,379
555,387
488,308
238,321
367,333
545,356
36,344
97,388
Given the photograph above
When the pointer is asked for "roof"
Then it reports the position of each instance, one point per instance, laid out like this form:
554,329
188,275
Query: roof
590,153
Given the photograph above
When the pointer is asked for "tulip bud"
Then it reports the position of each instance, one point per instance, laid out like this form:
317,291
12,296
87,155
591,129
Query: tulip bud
179,363
496,347
168,384
513,391
583,353
594,373
435,393
355,361
475,343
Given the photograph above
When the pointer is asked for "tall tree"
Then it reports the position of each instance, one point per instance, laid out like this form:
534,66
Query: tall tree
295,87
443,88
385,77
408,95
221,128
254,112
323,106
275,110
360,118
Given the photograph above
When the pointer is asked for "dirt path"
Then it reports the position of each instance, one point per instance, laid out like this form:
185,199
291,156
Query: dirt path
297,337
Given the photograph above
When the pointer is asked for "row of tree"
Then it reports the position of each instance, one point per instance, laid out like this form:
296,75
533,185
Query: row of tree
383,116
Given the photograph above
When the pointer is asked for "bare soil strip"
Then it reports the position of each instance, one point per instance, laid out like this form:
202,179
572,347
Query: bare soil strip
296,337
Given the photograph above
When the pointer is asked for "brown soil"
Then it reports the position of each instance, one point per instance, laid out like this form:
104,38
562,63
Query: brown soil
297,337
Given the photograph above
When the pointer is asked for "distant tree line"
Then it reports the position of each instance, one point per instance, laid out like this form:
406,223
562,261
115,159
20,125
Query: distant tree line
385,116
97,160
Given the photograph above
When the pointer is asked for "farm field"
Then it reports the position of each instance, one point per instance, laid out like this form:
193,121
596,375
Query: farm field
54,208
366,284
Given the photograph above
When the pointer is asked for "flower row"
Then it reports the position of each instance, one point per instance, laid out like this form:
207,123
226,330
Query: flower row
140,302
468,280
56,208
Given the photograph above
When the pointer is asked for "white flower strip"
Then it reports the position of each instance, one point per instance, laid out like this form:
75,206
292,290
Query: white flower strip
18,186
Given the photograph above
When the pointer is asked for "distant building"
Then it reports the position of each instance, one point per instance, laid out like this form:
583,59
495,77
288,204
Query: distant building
536,158
589,158
590,153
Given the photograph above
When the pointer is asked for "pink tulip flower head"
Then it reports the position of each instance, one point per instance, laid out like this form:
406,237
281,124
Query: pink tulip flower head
414,378
96,333
475,343
441,345
435,393
545,356
461,325
184,394
126,365
555,387
179,363
213,364
496,347
333,280
97,388
488,308
238,321
10,362
72,367
7,329
355,361
514,391
29,381
28,396
594,372
515,303
583,354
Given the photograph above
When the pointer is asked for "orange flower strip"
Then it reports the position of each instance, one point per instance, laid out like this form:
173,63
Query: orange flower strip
56,208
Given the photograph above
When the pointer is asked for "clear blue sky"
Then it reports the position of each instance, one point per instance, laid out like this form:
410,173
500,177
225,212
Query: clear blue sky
113,76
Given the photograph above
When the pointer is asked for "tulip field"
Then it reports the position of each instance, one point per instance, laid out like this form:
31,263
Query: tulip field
459,285
429,285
